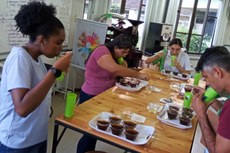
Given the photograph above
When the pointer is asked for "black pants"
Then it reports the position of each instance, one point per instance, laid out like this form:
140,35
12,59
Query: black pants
86,143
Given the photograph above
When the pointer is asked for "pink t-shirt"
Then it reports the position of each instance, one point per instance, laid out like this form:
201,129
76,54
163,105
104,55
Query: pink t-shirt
224,121
97,79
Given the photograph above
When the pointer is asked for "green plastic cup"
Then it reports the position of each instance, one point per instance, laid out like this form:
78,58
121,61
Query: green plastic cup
70,104
173,58
61,78
209,95
197,77
187,99
120,60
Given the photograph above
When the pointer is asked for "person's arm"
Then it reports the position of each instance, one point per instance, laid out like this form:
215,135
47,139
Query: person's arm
180,68
222,144
125,64
107,63
217,105
27,100
154,57
208,124
208,134
186,64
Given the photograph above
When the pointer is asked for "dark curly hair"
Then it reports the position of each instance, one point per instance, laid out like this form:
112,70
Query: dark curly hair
121,41
37,18
176,41
218,55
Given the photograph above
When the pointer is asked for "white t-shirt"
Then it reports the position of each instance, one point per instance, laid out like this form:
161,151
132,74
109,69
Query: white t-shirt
22,71
182,58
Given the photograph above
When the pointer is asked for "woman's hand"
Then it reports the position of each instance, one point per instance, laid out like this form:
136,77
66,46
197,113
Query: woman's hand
150,59
177,64
63,62
143,76
180,68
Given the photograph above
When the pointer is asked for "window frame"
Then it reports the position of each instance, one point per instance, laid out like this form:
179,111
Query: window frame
191,26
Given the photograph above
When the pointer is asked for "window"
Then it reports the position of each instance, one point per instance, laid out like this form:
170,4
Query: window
127,9
86,9
196,23
132,9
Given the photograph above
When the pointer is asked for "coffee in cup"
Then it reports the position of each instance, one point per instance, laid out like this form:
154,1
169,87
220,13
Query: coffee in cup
129,124
114,119
102,124
131,134
117,129
188,88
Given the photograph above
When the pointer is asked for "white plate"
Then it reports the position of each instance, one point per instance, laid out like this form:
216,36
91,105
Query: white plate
178,76
163,117
137,88
145,131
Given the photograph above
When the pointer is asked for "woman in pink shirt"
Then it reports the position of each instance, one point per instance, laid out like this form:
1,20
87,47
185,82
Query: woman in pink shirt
102,69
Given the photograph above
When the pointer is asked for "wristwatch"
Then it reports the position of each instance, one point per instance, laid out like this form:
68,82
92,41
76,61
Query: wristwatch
57,73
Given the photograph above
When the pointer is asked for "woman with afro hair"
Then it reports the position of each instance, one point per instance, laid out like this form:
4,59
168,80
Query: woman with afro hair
25,94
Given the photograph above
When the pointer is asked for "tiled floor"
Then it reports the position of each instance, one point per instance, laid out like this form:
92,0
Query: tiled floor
69,141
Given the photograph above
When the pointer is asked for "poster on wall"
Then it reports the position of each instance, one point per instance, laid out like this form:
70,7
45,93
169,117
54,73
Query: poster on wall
89,34
9,8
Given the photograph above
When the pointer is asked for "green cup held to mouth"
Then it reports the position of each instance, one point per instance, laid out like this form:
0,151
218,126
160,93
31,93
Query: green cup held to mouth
209,95
173,58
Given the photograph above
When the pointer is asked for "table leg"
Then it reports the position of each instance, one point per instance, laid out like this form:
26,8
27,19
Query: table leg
55,137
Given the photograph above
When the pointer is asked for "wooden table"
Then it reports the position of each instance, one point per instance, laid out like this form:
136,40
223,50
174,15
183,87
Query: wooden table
166,139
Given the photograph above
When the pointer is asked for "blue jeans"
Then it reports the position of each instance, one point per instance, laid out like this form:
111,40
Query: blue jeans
86,143
84,97
38,148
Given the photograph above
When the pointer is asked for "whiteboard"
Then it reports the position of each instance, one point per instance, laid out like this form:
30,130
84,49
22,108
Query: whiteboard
9,37
89,34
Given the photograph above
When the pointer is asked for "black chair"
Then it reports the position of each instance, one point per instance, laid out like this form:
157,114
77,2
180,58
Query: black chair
134,58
